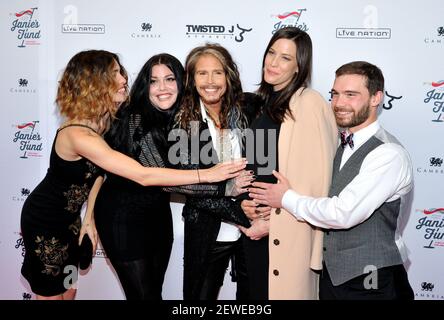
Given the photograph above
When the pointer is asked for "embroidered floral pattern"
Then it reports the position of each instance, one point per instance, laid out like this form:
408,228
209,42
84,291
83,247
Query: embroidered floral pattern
52,254
91,171
75,226
76,196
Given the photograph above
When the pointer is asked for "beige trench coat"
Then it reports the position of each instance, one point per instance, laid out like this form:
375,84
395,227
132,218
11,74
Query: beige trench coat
307,146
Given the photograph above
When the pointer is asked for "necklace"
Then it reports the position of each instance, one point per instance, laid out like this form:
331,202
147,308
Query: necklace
216,122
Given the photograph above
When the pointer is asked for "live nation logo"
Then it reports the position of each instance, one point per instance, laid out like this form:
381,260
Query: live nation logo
435,97
363,33
71,23
289,19
28,139
145,30
370,27
431,224
27,27
217,31
83,28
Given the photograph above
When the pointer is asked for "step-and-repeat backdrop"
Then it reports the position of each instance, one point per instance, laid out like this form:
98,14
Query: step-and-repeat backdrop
404,38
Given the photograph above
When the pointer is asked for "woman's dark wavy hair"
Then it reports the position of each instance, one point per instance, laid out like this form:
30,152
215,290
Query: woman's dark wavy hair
304,50
158,122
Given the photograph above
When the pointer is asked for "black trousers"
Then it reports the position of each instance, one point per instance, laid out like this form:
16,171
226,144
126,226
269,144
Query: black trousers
142,279
220,255
393,284
256,257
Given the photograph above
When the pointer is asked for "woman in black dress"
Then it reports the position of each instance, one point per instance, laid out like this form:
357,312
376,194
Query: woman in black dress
92,87
134,222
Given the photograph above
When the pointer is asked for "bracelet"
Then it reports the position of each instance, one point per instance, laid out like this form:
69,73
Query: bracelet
198,175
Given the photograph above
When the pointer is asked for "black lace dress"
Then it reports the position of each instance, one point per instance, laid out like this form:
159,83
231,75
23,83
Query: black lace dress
50,224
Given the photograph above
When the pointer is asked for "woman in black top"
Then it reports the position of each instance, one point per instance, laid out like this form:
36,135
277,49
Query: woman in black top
92,88
134,222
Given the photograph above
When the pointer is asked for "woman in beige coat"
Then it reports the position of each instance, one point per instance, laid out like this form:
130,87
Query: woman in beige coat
306,141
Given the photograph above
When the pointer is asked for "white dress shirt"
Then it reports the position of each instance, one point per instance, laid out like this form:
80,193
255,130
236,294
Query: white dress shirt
385,176
227,231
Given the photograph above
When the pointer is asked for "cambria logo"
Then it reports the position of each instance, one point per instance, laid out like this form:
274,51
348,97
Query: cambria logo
434,166
24,192
145,31
435,162
438,39
22,87
146,26
427,286
26,296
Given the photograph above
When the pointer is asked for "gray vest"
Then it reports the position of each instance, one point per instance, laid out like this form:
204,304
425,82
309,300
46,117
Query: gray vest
349,252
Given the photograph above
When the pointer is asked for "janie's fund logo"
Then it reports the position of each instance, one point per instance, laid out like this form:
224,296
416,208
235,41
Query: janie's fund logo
27,27
289,19
431,224
28,139
434,97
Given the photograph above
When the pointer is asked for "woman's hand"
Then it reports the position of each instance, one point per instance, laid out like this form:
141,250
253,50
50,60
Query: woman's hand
253,212
237,185
89,227
222,171
258,230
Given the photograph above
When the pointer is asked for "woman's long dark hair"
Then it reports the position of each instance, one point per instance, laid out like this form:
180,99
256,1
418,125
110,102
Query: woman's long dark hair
280,107
158,122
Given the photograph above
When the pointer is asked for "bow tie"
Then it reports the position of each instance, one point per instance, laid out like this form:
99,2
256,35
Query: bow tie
347,140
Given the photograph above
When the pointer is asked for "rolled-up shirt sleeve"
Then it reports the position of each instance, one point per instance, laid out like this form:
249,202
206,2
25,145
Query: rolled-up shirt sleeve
385,175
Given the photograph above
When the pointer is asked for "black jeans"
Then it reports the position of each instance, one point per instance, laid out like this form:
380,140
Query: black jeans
393,284
142,279
218,260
